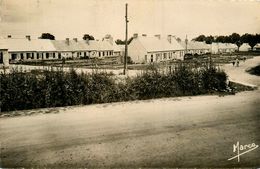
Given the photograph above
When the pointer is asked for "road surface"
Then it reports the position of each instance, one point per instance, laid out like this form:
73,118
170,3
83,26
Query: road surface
172,132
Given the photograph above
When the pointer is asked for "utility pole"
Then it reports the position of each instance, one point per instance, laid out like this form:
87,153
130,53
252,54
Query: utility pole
126,39
186,45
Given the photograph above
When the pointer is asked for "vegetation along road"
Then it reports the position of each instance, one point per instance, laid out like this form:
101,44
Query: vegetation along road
175,132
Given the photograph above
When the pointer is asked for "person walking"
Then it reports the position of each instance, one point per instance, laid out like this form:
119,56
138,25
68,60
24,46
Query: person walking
233,62
244,58
237,61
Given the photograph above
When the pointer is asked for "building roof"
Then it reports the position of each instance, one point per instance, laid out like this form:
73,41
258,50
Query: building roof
257,46
3,45
225,45
119,48
193,45
245,47
154,44
15,45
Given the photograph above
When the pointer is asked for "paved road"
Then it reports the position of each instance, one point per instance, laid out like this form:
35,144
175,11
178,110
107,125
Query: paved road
176,132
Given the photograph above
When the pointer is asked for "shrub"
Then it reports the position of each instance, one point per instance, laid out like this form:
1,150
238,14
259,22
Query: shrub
254,70
214,79
38,89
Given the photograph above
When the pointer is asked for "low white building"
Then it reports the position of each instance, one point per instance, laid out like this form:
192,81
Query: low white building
245,47
44,49
257,47
221,48
196,48
145,49
28,49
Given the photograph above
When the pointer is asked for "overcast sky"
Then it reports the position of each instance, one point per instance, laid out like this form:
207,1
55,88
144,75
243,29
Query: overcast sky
73,18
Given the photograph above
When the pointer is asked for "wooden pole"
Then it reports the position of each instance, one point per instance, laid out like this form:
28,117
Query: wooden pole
186,45
126,39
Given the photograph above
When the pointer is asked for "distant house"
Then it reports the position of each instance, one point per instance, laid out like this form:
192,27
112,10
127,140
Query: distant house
257,47
196,48
221,48
245,47
44,49
154,49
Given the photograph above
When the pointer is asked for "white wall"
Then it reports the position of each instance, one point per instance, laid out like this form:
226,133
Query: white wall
5,57
137,52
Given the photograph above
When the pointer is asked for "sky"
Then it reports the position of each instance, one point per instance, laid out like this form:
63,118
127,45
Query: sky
70,19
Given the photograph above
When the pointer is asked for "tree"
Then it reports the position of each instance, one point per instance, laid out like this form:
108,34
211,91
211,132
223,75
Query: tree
201,38
245,38
122,42
227,39
234,38
238,43
220,39
178,39
89,37
209,39
47,36
252,41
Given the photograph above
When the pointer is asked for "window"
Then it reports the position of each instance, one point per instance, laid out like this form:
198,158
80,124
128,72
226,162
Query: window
164,55
1,57
22,57
99,54
38,56
27,55
59,55
47,55
157,56
14,55
32,57
54,56
151,58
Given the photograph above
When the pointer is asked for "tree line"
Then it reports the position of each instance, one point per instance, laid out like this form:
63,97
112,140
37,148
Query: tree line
235,38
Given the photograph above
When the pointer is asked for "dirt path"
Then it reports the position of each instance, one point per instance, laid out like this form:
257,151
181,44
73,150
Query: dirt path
176,132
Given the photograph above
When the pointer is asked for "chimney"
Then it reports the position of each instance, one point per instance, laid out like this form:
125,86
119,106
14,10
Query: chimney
135,35
67,41
144,35
109,38
87,41
75,39
169,38
158,36
9,36
28,37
